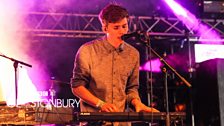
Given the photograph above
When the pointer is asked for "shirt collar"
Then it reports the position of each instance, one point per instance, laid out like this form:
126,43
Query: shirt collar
111,48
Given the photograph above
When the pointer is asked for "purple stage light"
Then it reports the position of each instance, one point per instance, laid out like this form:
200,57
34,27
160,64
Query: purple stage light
178,10
192,23
156,64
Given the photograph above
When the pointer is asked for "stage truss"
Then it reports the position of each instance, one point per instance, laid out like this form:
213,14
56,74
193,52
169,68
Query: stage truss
71,25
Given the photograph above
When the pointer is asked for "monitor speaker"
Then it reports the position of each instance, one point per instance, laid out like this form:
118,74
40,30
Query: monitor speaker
209,93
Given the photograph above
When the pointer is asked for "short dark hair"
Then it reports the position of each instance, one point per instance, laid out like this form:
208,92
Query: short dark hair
112,13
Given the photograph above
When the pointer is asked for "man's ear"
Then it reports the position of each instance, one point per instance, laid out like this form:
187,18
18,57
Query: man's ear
104,29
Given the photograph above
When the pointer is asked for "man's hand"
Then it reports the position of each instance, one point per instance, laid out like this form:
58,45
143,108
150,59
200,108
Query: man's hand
140,107
107,107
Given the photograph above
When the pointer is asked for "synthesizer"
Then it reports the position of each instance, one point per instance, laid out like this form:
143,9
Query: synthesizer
127,116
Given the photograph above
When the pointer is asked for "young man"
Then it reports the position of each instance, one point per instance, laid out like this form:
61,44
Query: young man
106,70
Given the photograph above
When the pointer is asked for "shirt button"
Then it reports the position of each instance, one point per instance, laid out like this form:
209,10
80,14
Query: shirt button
114,72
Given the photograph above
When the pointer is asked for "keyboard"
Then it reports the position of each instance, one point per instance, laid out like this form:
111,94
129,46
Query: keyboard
127,116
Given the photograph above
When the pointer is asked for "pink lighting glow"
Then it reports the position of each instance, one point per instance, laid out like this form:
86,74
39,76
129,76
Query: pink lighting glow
178,10
192,23
15,44
155,66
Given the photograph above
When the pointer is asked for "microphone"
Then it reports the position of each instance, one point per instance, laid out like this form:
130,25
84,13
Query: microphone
136,34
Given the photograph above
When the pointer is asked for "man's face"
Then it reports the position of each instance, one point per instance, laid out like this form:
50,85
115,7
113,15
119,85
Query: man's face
116,30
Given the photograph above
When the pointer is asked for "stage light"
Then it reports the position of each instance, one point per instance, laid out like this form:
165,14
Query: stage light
192,23
155,63
13,44
178,9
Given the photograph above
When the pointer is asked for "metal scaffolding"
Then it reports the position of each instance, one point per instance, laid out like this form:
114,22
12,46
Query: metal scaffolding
71,25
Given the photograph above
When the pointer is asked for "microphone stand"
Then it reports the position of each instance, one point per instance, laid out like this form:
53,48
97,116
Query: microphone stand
166,66
15,65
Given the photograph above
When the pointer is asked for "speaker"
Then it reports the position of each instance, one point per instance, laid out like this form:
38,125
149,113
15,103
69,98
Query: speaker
209,93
